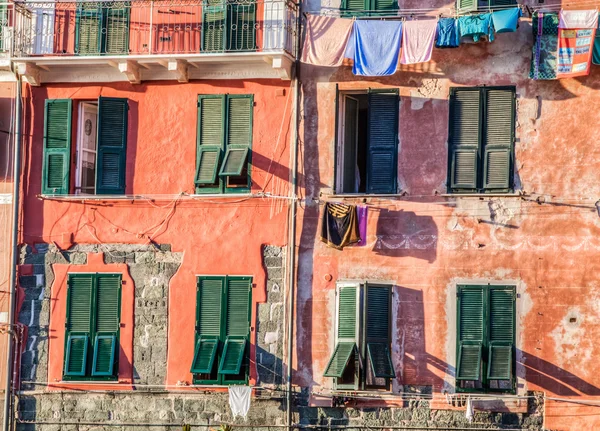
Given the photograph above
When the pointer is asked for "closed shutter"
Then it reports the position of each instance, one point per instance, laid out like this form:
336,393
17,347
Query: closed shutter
501,332
243,28
88,29
464,138
355,7
382,141
378,330
78,323
237,329
471,332
346,331
112,146
117,31
384,7
239,135
211,140
500,3
57,146
214,26
209,296
466,5
498,138
108,294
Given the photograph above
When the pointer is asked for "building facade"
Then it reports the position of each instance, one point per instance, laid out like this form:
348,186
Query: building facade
160,221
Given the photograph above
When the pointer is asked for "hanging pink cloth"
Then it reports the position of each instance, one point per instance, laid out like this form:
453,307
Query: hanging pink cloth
326,40
418,38
578,19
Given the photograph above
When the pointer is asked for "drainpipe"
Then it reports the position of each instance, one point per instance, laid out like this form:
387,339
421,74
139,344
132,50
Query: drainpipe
292,223
6,425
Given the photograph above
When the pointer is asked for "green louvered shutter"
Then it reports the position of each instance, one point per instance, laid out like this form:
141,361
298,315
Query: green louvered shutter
501,332
4,26
498,139
346,331
501,3
108,297
117,31
471,332
355,7
88,29
78,323
214,26
57,146
378,330
466,5
382,141
112,146
464,138
384,7
210,142
237,327
243,32
209,296
239,135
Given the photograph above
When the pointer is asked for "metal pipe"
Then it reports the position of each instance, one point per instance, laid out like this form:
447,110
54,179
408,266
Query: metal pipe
292,223
6,422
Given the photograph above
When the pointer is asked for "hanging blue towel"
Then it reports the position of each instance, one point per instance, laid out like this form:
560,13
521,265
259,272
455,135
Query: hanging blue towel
476,26
447,33
506,21
376,47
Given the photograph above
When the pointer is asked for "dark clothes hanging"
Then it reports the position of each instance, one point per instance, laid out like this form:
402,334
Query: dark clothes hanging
339,227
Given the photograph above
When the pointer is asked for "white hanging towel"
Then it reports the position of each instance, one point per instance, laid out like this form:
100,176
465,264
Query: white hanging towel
578,18
239,400
469,411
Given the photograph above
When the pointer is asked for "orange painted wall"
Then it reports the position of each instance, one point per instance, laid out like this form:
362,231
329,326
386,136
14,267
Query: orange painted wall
217,236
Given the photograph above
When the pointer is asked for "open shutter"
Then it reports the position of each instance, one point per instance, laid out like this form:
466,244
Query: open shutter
382,141
466,5
57,146
239,136
214,24
237,330
210,141
471,332
108,297
112,146
88,29
209,295
117,31
243,29
378,330
502,332
464,138
78,323
498,138
346,331
205,354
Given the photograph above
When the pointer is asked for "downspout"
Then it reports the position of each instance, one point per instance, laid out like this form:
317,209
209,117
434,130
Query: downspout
292,222
6,425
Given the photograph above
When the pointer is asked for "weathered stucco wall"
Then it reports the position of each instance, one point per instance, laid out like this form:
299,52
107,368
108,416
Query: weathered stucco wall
425,243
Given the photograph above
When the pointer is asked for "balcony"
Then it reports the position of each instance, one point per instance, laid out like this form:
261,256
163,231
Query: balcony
105,41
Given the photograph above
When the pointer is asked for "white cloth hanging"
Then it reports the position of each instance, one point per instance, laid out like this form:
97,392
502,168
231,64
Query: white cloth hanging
469,411
239,400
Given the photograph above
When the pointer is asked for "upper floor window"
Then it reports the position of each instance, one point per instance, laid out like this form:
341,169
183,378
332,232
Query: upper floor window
100,152
481,136
222,342
471,5
229,27
224,143
485,338
361,358
367,142
102,30
92,327
369,7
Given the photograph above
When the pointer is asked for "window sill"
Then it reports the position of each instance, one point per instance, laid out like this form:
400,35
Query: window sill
163,197
364,196
481,195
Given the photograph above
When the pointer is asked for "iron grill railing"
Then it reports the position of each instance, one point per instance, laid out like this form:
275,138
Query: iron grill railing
160,27
6,28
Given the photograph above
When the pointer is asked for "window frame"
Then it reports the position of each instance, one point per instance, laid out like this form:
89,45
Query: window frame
483,5
369,9
90,357
103,27
481,162
484,359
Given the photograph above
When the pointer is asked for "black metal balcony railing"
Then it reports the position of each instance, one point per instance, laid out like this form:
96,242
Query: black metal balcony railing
112,28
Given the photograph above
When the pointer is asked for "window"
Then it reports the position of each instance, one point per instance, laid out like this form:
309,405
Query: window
224,143
367,148
361,358
369,7
102,30
222,342
229,27
92,327
101,147
481,136
485,353
472,5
